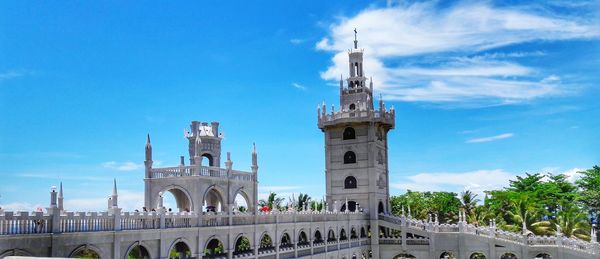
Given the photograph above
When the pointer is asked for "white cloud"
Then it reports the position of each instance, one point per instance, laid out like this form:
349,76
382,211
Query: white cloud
391,34
476,181
125,166
299,86
128,201
297,41
22,206
489,139
573,174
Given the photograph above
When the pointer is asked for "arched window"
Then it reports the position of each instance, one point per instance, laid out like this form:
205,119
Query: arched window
352,107
380,208
349,158
349,133
350,182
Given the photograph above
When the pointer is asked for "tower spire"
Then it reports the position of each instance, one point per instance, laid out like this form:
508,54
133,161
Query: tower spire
60,197
148,149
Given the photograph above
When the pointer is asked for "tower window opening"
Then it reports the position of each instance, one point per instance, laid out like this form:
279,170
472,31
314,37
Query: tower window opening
356,68
350,182
349,132
352,107
349,158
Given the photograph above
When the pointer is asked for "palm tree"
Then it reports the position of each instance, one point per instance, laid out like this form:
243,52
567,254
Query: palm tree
572,222
524,214
271,202
469,202
302,200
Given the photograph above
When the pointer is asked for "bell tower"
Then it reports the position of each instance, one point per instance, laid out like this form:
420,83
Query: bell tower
356,147
204,141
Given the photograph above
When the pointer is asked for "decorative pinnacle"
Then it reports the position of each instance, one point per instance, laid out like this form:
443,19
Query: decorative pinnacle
148,141
60,191
254,147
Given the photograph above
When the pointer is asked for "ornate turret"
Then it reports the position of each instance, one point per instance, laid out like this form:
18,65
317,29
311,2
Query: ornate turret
204,141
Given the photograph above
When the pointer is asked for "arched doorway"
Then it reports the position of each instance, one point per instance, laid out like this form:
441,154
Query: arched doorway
213,201
447,255
84,252
404,256
207,160
176,199
543,256
138,252
477,255
242,246
266,243
285,241
508,256
214,248
180,250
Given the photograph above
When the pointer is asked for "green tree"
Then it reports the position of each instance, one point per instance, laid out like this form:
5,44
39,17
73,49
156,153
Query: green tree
469,202
589,186
271,202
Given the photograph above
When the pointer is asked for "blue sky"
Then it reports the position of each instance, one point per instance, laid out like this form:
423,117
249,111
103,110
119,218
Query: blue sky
483,91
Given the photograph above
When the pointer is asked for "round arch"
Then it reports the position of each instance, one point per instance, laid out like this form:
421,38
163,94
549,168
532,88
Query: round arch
349,157
350,182
349,133
86,251
213,199
15,252
182,197
214,247
140,250
508,256
478,255
404,256
447,255
180,248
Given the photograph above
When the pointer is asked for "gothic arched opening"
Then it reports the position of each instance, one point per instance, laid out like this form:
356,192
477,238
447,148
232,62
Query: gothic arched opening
266,243
285,241
352,107
180,251
138,252
508,256
351,206
176,198
241,201
477,255
349,132
543,256
380,208
349,157
343,235
331,236
350,182
363,233
404,256
242,246
353,234
213,201
214,248
302,239
318,238
447,255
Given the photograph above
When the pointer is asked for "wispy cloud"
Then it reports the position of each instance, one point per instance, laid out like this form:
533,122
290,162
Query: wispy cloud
490,139
125,166
299,86
444,36
11,74
297,41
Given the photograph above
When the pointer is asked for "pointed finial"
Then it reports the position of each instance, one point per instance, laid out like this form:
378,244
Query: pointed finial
148,141
115,187
254,147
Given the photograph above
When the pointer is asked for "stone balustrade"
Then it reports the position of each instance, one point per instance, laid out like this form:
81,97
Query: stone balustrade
384,116
464,228
205,171
23,223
